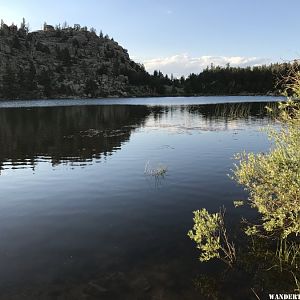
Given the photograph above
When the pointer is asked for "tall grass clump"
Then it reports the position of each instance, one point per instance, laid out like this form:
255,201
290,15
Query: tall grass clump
158,171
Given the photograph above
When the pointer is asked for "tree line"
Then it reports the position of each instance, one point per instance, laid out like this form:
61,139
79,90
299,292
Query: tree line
218,80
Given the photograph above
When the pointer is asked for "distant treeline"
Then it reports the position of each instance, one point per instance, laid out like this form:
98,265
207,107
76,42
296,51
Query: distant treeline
217,80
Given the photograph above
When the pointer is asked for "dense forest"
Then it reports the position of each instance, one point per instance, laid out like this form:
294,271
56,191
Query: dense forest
65,62
218,80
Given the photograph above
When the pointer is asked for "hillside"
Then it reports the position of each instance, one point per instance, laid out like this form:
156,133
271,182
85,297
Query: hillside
74,62
66,62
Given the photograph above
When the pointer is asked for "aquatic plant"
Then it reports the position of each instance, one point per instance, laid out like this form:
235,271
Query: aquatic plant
233,110
159,171
297,283
288,254
238,203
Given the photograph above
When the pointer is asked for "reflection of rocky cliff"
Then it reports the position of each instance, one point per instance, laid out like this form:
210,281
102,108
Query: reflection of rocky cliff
66,133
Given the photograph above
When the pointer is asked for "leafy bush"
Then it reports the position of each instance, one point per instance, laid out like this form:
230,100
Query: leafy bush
210,234
273,179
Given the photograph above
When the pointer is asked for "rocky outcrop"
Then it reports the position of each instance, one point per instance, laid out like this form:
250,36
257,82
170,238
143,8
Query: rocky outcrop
68,62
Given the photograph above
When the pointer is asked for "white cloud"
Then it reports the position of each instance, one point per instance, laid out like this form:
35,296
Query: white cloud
183,64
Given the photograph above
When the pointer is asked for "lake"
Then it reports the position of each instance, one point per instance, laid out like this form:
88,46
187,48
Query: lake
79,217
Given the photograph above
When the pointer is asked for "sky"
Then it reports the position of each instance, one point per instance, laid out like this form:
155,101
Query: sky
178,37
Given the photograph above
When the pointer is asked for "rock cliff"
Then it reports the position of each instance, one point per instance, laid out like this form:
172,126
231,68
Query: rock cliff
66,62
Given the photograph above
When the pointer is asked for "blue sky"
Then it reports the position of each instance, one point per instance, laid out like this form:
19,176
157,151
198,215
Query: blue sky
179,36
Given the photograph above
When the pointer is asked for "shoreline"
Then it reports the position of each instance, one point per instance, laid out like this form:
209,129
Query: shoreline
113,97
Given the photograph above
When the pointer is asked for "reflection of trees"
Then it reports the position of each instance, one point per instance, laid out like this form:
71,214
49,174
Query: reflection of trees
66,133
229,111
223,111
213,117
226,113
78,134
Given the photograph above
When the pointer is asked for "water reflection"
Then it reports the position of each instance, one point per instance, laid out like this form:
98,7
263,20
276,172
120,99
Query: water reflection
108,231
77,135
74,134
80,134
200,118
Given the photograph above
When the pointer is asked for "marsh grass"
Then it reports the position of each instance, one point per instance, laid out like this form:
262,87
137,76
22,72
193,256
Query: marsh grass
241,110
288,254
158,171
233,111
297,283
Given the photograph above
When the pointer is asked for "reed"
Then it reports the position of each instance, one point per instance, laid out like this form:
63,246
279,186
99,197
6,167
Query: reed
158,171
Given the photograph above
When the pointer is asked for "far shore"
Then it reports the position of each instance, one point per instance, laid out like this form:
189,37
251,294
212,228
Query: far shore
142,96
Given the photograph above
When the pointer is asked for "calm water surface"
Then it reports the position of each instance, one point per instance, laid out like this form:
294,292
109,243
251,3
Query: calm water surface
79,219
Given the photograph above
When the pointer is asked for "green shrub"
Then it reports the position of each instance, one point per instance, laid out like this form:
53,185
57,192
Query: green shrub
273,179
210,235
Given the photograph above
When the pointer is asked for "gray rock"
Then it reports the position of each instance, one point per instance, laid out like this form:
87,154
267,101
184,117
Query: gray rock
64,63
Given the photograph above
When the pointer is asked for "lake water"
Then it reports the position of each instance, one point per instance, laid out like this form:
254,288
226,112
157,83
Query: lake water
79,218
